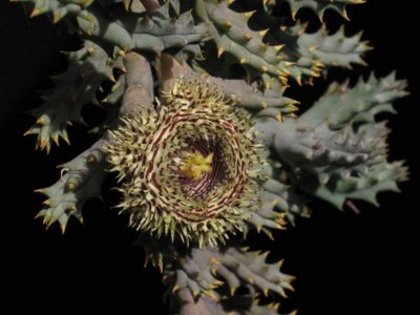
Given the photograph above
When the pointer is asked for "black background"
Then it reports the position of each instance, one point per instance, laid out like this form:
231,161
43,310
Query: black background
344,263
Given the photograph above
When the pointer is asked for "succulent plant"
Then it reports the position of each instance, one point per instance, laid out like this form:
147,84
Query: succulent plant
202,138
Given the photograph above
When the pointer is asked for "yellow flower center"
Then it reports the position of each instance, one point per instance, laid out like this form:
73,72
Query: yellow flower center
195,165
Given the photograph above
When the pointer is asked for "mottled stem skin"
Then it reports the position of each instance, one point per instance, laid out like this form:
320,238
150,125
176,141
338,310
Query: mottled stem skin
139,85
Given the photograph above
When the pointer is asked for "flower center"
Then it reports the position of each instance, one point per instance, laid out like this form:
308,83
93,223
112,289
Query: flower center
195,165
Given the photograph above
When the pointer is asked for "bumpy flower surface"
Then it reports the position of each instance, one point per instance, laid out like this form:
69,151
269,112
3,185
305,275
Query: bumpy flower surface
190,169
